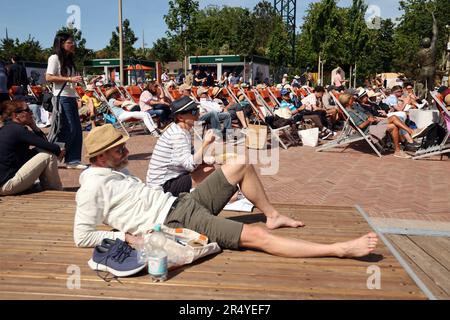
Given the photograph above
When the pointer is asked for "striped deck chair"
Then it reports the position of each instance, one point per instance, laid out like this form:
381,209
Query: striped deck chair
444,146
350,134
261,113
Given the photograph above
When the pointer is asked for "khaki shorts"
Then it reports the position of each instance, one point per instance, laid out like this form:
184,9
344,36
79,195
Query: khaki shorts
198,211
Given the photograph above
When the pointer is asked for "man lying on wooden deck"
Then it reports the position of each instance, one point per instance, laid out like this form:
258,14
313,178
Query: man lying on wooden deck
109,194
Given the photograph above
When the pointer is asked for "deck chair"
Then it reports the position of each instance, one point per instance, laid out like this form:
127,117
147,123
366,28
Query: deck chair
261,113
444,146
127,126
275,94
350,134
265,95
135,93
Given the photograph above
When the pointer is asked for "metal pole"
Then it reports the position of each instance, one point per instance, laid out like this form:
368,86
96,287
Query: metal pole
351,74
320,62
121,44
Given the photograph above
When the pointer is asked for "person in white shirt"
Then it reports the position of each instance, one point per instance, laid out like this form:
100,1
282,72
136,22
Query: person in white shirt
313,105
125,110
212,112
174,166
66,125
110,195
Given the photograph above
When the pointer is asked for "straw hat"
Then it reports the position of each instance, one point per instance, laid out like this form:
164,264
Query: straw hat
102,139
110,92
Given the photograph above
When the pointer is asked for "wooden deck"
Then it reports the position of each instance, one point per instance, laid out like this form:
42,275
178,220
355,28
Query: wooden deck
36,250
429,257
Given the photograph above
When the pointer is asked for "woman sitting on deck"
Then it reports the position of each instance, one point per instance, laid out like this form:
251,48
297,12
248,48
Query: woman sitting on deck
21,166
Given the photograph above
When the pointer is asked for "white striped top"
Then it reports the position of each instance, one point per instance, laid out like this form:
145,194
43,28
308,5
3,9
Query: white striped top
172,156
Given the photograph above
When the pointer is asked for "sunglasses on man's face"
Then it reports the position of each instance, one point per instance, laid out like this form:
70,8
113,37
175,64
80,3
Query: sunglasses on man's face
121,150
23,110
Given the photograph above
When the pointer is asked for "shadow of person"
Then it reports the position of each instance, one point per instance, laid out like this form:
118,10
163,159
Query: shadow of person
249,218
140,156
372,258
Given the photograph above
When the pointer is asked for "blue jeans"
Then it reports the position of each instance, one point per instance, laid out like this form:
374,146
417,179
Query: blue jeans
214,118
71,132
36,112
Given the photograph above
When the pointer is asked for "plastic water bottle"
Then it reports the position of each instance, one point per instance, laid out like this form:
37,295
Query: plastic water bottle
157,257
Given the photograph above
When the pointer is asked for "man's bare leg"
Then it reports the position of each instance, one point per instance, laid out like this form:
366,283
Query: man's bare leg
400,124
254,237
393,130
200,174
245,176
241,116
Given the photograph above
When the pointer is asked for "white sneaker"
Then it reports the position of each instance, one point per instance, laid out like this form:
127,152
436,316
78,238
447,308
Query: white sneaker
244,131
76,166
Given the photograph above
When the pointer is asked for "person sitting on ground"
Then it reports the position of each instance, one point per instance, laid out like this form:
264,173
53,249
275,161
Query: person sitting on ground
173,165
213,113
21,166
110,194
377,127
126,110
154,102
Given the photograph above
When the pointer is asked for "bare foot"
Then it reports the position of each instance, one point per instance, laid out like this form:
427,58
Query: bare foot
357,248
282,221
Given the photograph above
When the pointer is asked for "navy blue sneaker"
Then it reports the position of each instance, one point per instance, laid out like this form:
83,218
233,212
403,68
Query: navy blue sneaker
119,259
108,243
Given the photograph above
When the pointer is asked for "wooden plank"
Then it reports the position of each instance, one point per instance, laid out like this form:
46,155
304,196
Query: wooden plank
422,264
36,247
436,247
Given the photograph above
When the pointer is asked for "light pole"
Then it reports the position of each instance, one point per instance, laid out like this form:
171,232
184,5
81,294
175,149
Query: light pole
121,43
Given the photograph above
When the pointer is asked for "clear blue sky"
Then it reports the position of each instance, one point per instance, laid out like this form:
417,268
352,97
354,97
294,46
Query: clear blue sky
42,18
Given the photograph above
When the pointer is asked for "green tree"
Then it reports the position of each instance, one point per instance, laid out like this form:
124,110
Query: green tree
163,51
29,50
278,49
180,21
325,26
265,18
129,39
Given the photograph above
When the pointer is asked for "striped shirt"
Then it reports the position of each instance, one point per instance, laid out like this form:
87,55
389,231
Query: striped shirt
172,156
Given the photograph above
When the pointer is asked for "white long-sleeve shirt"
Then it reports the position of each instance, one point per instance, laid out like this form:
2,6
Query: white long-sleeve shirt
118,200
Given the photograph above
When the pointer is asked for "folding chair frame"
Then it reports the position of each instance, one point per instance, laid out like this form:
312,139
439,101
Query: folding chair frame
444,146
350,134
275,132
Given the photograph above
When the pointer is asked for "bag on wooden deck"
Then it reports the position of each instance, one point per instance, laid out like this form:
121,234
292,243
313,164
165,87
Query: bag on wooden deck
184,246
